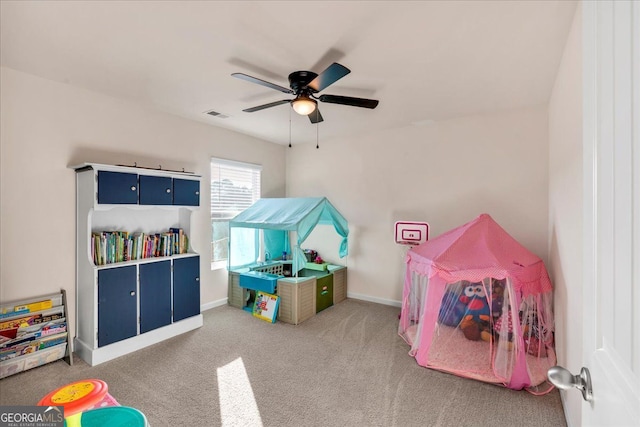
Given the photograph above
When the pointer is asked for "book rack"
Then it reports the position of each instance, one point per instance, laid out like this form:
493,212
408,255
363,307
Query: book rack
34,332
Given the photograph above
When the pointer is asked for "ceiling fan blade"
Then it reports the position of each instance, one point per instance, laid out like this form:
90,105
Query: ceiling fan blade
332,74
271,104
262,82
348,100
315,116
330,56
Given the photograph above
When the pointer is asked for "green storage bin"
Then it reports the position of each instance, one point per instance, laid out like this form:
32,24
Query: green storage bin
324,292
318,267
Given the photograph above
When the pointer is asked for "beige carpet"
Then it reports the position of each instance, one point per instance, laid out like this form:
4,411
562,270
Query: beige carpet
346,366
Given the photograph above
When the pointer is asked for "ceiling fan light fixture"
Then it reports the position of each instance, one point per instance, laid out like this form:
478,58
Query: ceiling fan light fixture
304,105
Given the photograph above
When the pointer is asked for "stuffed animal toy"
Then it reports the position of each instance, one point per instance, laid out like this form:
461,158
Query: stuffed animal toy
451,308
475,323
497,298
533,334
503,330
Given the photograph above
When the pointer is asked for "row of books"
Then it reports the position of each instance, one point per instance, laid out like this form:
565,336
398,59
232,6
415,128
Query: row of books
31,345
29,333
109,247
10,328
9,311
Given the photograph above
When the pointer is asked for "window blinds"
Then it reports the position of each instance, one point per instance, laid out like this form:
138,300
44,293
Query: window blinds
234,187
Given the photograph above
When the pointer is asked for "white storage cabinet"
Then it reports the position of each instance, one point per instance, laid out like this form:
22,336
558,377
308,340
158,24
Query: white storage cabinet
125,306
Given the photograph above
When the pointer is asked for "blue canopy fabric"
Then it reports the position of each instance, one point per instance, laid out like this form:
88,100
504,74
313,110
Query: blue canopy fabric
294,214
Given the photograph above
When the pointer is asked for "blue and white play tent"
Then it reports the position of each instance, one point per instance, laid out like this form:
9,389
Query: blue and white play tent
277,217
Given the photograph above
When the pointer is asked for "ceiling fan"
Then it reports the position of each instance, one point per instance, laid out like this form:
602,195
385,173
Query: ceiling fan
305,85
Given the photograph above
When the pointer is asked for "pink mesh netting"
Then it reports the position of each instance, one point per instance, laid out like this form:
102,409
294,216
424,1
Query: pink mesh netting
478,304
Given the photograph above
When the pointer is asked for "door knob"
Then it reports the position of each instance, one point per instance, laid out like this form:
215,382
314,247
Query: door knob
563,379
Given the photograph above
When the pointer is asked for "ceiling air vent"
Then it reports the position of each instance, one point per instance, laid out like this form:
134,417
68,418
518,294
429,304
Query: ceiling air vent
216,114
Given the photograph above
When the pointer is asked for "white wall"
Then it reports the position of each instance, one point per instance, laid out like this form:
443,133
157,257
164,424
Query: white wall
445,174
46,126
565,210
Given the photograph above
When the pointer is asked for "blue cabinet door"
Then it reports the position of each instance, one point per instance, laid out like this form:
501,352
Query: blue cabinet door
117,188
117,302
186,287
186,192
156,190
155,295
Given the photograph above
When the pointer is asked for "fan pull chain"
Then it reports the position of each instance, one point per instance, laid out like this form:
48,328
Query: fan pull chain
289,127
317,132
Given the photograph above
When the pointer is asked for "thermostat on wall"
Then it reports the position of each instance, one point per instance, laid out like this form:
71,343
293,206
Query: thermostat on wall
411,233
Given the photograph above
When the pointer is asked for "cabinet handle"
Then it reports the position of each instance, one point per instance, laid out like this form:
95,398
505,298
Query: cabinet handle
197,193
197,279
133,188
132,293
168,190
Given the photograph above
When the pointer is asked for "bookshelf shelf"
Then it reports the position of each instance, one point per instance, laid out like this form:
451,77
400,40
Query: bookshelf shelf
34,332
126,304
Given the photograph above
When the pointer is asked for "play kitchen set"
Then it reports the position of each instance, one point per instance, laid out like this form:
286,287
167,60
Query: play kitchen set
317,286
302,281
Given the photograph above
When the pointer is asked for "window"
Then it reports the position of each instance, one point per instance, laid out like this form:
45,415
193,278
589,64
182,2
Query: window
234,187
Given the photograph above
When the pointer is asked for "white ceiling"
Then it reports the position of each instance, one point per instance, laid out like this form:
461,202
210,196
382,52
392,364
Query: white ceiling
423,60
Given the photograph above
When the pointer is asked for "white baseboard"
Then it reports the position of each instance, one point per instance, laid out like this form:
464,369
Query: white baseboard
95,356
213,304
383,301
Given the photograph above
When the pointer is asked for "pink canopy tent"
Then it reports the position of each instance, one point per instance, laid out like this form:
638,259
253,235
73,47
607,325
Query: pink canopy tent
478,304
